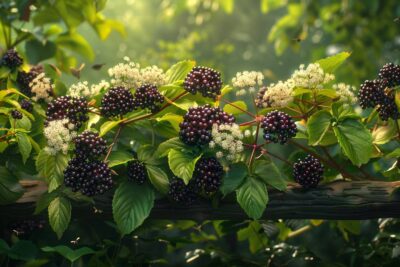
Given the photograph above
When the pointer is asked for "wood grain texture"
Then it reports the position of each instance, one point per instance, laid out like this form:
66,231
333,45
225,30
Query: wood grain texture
338,200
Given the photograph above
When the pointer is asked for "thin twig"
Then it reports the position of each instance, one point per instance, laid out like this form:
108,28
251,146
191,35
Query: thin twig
239,108
279,157
113,142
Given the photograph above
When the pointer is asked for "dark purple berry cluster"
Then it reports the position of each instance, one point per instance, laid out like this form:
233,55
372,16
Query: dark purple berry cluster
89,177
66,107
391,73
260,102
11,59
197,124
26,105
379,93
181,193
278,127
89,145
117,102
203,80
16,115
308,172
25,78
207,175
26,227
137,172
148,96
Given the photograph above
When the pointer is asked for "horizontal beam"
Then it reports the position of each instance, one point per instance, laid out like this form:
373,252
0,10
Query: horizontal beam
337,200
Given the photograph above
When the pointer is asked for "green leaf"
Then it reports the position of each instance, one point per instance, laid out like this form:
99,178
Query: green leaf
270,174
68,253
235,107
24,145
23,123
158,178
131,205
234,177
317,126
384,134
173,119
330,64
355,140
10,189
342,112
76,43
179,71
119,157
173,143
107,126
59,215
145,153
182,164
51,166
23,250
252,196
394,154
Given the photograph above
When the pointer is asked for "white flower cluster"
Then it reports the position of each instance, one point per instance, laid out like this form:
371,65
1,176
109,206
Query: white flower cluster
227,139
130,75
312,77
83,89
59,134
125,74
279,94
346,92
153,75
41,87
247,81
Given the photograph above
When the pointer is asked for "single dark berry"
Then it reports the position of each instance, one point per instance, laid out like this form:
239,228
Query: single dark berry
203,80
137,172
89,145
278,127
371,93
197,124
207,175
66,107
89,177
181,193
117,101
308,172
17,115
387,108
391,73
25,78
26,105
148,96
26,227
11,59
260,102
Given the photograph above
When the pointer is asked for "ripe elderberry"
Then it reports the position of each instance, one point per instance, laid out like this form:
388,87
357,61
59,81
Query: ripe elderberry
25,78
11,59
66,107
308,172
137,172
371,93
89,177
181,193
391,73
117,102
148,96
207,175
26,105
89,145
278,127
197,124
16,115
203,80
260,102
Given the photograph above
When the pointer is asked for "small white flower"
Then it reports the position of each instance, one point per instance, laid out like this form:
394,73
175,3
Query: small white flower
125,74
279,94
79,89
153,75
346,92
219,154
41,87
247,133
247,81
58,135
227,138
312,77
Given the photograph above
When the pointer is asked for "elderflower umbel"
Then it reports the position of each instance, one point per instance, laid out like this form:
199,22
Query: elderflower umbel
346,92
125,74
96,88
227,139
152,75
79,89
41,87
59,134
278,95
247,81
312,77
